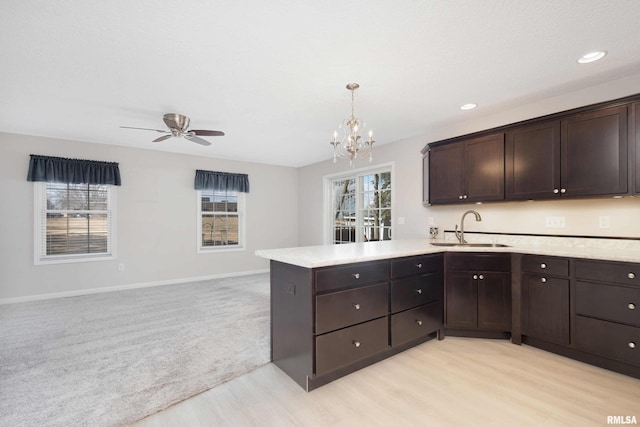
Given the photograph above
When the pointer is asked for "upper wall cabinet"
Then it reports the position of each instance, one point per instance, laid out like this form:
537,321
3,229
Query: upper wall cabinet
594,153
581,155
469,170
532,161
635,143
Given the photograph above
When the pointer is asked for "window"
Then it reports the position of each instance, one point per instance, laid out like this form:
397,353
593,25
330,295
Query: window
220,220
73,222
360,206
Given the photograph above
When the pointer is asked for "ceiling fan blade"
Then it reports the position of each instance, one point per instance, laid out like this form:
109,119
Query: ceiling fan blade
155,130
162,138
207,132
197,139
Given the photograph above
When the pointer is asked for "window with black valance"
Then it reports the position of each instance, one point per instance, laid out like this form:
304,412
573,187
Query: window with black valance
72,171
221,181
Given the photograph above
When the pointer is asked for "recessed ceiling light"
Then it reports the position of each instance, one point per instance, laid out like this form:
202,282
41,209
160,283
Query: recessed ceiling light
591,56
468,106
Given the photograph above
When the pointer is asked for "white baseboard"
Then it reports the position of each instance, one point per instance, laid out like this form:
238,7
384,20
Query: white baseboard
125,287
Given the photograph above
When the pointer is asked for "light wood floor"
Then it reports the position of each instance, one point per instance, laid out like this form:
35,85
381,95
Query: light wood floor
454,382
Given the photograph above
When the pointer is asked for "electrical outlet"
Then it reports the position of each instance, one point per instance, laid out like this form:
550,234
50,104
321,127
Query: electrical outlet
555,222
401,220
121,267
603,222
431,221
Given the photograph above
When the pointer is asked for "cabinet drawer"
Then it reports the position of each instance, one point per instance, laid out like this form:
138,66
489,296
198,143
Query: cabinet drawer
624,273
545,265
478,262
351,275
616,303
348,345
340,309
620,342
414,291
416,323
416,265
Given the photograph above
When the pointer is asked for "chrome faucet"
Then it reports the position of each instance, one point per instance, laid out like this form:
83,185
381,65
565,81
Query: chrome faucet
460,234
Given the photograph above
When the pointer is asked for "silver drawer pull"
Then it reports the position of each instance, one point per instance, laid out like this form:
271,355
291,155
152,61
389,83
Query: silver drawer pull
632,344
357,275
419,265
419,291
356,306
475,277
419,322
631,275
543,265
631,306
356,343
543,280
481,277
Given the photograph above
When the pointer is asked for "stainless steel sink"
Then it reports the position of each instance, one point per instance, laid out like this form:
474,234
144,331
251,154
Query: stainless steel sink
471,245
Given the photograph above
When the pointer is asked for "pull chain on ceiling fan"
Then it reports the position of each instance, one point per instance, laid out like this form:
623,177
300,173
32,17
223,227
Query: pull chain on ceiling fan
178,125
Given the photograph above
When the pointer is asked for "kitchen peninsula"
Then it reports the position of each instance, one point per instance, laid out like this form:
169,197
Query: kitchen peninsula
338,308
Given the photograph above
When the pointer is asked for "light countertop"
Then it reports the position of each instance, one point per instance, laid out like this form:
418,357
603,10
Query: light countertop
328,255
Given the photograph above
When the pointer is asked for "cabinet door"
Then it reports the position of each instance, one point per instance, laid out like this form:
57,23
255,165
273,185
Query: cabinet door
545,308
461,300
494,301
446,173
484,168
594,153
532,161
635,140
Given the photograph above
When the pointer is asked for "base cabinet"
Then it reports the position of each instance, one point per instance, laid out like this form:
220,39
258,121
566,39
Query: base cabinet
328,322
545,298
478,292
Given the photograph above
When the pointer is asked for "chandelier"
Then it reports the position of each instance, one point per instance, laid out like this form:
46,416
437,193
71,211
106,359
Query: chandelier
351,144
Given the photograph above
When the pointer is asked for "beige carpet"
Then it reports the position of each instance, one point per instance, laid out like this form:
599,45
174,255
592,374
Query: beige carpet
112,358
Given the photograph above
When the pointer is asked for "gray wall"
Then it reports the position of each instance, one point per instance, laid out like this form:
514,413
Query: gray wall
156,219
513,217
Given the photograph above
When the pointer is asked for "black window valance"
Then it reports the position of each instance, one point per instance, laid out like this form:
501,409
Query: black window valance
209,180
72,171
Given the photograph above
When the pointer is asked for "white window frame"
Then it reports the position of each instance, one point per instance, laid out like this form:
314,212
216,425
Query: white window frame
242,218
327,228
39,230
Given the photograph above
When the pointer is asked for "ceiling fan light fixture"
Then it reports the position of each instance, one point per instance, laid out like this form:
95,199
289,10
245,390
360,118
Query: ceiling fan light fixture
592,56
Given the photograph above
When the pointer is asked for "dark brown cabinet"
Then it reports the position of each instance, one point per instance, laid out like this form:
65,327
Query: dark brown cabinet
468,170
478,292
635,141
327,322
607,310
532,161
594,153
545,298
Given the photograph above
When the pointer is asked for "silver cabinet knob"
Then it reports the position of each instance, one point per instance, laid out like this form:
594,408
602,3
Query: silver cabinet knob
460,197
543,265
356,306
464,196
543,280
419,265
632,344
419,322
475,277
563,190
356,343
631,306
357,275
631,276
481,277
556,191
419,291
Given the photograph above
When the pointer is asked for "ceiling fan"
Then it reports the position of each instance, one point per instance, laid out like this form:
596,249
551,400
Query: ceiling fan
178,127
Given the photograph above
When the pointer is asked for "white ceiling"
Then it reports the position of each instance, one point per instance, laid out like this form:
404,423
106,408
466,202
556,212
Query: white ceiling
272,74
